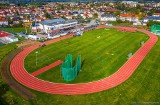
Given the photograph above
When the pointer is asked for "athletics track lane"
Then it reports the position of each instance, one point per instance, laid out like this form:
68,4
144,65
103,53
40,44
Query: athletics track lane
22,76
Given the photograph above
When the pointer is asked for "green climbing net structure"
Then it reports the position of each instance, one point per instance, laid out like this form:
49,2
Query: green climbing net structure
155,29
69,72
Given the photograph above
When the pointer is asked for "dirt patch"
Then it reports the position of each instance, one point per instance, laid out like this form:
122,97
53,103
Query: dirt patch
27,43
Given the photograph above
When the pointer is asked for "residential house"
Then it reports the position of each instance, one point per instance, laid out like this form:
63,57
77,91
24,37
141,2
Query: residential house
38,19
3,21
156,14
90,15
75,13
130,3
85,16
137,23
69,16
108,17
12,5
16,20
26,20
129,17
56,15
154,18
111,10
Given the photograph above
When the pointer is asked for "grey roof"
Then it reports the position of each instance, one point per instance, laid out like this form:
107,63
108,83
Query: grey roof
57,21
12,37
107,15
70,21
53,21
153,17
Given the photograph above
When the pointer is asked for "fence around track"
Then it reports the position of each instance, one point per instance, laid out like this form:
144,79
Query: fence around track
22,76
7,77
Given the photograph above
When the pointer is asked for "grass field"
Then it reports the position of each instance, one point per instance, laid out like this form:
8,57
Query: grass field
103,53
8,96
143,87
1,44
16,29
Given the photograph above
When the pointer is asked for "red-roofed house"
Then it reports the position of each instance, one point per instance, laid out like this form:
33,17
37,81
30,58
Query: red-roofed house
69,16
85,16
25,20
56,16
112,10
156,14
38,19
129,17
3,21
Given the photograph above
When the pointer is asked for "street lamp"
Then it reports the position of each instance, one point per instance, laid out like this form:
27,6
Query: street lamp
36,57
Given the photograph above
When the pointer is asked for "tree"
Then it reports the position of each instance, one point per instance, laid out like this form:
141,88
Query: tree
117,13
150,13
10,22
141,17
17,12
47,15
62,7
28,16
119,21
95,15
151,22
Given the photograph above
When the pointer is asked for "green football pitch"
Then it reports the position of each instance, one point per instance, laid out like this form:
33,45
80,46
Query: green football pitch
103,52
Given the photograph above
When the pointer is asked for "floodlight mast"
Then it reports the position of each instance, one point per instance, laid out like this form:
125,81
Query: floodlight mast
36,57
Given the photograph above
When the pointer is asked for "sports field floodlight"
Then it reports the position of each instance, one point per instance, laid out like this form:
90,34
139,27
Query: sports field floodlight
36,57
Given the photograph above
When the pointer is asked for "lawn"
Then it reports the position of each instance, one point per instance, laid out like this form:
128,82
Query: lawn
1,44
143,87
103,52
16,30
8,96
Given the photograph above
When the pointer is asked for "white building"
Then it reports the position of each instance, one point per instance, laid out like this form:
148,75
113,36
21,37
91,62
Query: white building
129,17
25,20
156,14
33,37
154,18
3,22
130,3
52,27
108,17
12,39
8,39
137,23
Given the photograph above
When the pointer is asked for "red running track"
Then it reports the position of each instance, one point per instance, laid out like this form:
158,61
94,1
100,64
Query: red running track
22,76
47,68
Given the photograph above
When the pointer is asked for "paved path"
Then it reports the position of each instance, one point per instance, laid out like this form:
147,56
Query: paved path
22,76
